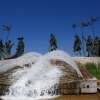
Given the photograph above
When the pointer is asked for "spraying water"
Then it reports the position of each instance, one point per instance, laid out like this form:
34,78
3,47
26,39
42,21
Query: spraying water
41,78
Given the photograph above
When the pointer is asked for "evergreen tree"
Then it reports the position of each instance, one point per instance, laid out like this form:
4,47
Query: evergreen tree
20,46
89,45
53,42
77,45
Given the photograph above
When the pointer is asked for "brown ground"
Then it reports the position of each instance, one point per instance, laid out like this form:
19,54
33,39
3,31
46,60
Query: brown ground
80,97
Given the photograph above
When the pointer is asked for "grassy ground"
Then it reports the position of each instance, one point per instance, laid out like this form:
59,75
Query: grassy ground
93,69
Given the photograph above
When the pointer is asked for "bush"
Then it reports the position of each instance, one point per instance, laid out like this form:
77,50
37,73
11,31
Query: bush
93,69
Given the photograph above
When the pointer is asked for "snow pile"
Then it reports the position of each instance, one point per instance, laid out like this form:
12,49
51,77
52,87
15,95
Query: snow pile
61,55
84,60
40,79
28,98
28,58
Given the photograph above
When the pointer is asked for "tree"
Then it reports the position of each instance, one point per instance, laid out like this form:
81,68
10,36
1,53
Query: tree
53,42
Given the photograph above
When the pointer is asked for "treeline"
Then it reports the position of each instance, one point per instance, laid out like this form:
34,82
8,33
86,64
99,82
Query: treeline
87,46
82,46
6,47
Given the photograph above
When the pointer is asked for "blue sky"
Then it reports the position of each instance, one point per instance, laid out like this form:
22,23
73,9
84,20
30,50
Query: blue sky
36,19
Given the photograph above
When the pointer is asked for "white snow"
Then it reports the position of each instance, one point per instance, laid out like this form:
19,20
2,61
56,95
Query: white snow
20,61
41,76
58,54
84,60
27,98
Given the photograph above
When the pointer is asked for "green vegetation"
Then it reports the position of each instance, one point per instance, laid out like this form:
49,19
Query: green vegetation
93,69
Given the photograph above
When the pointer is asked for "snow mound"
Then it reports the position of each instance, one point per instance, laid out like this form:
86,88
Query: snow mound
61,55
27,58
38,78
84,60
42,77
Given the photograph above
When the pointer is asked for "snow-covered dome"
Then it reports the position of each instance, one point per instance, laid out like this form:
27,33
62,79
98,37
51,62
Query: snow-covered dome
55,67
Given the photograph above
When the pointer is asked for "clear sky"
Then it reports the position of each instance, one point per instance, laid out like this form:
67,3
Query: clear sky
36,19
